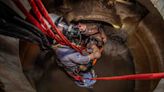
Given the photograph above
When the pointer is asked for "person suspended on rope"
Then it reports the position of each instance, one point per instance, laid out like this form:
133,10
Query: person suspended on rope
74,63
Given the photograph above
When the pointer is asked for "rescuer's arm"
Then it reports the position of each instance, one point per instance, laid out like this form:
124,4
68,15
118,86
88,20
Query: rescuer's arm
81,59
96,52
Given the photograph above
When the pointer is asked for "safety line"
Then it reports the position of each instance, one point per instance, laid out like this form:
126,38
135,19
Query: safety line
45,13
146,76
40,18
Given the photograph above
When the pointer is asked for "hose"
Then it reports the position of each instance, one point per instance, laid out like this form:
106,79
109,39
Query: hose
16,31
32,29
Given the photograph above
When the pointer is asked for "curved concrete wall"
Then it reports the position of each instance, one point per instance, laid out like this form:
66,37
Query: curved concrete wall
159,4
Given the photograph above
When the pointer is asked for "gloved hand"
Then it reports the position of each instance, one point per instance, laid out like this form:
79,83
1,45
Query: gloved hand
96,52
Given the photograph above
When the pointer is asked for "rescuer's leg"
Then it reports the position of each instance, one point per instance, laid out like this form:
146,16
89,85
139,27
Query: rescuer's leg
86,82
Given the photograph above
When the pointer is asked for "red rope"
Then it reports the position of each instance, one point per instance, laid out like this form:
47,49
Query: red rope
29,17
32,20
45,30
40,18
45,14
148,76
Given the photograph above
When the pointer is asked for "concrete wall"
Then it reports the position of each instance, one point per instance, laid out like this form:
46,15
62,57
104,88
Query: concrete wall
159,4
